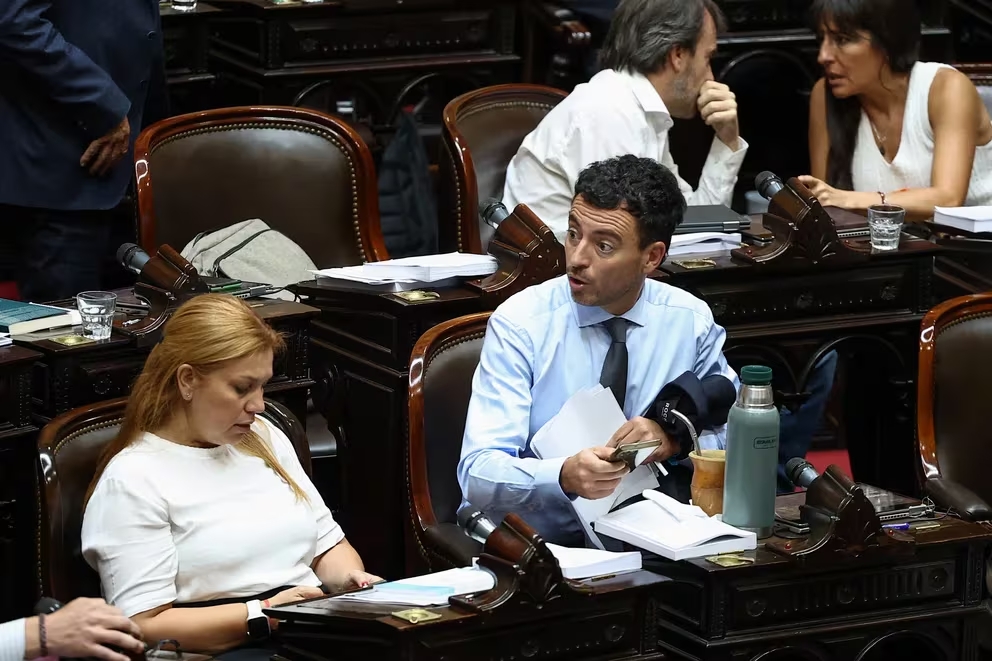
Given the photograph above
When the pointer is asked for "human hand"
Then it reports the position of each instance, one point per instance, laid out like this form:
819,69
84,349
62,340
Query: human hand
718,108
299,593
828,196
356,578
103,153
85,628
590,474
641,429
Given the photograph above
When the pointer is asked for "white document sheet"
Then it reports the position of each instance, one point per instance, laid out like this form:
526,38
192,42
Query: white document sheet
427,590
588,419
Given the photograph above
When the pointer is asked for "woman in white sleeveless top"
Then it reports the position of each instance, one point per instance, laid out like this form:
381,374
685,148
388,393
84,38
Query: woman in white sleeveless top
886,128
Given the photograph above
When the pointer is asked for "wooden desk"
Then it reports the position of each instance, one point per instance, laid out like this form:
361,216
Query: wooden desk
786,318
69,376
928,602
616,621
925,605
18,480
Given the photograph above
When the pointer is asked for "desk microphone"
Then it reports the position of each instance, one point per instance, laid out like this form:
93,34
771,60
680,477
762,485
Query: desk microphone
493,212
800,472
132,257
768,184
476,523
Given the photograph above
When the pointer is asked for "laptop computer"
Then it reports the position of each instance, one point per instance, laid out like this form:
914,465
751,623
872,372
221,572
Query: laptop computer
889,506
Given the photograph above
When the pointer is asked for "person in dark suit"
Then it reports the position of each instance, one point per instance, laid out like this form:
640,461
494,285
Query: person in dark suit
76,77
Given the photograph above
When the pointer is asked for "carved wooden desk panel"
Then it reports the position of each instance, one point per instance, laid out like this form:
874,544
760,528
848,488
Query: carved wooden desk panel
615,622
69,376
929,602
17,480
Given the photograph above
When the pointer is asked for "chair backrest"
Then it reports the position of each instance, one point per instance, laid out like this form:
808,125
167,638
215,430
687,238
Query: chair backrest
69,448
981,76
303,172
441,369
955,378
482,131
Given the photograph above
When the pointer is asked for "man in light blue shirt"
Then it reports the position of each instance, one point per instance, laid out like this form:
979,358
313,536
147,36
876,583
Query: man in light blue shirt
551,340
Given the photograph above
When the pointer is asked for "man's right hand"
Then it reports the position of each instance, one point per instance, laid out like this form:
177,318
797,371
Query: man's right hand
104,153
84,628
589,474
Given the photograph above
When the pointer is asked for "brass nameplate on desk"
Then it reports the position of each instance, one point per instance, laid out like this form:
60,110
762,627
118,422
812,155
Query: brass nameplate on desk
416,615
730,560
72,340
694,263
417,295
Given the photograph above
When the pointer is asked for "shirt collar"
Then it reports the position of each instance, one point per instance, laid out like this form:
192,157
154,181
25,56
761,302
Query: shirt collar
588,315
645,93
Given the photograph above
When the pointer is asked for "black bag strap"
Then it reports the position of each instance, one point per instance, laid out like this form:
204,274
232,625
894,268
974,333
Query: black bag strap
216,265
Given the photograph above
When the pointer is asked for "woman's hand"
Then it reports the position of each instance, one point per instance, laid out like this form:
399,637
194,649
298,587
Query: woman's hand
356,578
827,195
299,593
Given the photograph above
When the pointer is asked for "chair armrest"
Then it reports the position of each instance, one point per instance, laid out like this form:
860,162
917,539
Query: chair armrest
453,543
950,494
562,22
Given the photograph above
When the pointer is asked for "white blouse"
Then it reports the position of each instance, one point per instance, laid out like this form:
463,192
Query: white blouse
913,163
172,523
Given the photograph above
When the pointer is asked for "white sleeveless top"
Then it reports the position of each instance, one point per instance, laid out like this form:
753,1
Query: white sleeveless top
914,161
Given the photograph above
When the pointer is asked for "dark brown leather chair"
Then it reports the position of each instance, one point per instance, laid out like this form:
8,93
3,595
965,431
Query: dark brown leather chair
68,450
981,76
441,369
953,433
303,172
482,131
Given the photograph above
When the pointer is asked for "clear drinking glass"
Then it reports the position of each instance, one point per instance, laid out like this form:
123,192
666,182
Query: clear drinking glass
184,5
97,310
885,223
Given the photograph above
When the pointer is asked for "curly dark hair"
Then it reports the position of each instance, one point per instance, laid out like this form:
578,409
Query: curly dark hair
643,186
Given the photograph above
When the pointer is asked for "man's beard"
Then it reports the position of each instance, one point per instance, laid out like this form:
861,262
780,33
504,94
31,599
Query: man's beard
685,98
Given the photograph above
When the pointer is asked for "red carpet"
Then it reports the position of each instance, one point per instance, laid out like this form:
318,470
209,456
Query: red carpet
821,459
9,290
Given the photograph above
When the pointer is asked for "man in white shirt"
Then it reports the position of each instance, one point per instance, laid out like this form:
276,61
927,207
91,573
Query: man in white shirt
657,58
83,628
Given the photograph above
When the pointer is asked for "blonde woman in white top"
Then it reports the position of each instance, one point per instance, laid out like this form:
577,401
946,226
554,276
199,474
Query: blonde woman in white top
200,513
884,127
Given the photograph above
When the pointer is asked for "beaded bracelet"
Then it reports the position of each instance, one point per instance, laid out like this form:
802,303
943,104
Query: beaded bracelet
42,636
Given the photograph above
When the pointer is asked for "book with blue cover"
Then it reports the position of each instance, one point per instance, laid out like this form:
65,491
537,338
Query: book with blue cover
18,318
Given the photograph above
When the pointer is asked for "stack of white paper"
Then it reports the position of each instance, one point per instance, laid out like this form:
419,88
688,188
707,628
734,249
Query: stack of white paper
5,339
426,590
970,219
588,419
427,268
700,242
577,564
671,529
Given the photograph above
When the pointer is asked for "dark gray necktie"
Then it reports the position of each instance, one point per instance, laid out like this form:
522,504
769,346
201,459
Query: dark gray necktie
614,374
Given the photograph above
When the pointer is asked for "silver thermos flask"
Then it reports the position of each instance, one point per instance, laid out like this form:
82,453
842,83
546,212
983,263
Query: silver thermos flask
752,454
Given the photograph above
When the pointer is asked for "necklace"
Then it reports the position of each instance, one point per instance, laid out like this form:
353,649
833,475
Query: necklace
879,138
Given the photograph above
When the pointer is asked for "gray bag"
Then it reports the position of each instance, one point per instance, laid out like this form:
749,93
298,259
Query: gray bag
249,251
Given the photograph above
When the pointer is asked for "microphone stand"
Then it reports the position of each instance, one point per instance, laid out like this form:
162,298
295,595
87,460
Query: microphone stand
166,281
528,254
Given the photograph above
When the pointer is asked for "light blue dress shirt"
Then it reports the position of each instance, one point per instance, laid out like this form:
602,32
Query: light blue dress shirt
541,348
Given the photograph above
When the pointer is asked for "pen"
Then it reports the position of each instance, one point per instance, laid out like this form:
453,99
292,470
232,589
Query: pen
896,526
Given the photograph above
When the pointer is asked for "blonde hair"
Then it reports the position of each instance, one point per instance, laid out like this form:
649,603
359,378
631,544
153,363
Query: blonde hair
205,332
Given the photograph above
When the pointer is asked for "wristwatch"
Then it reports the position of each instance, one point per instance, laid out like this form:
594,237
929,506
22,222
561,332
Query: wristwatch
258,624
